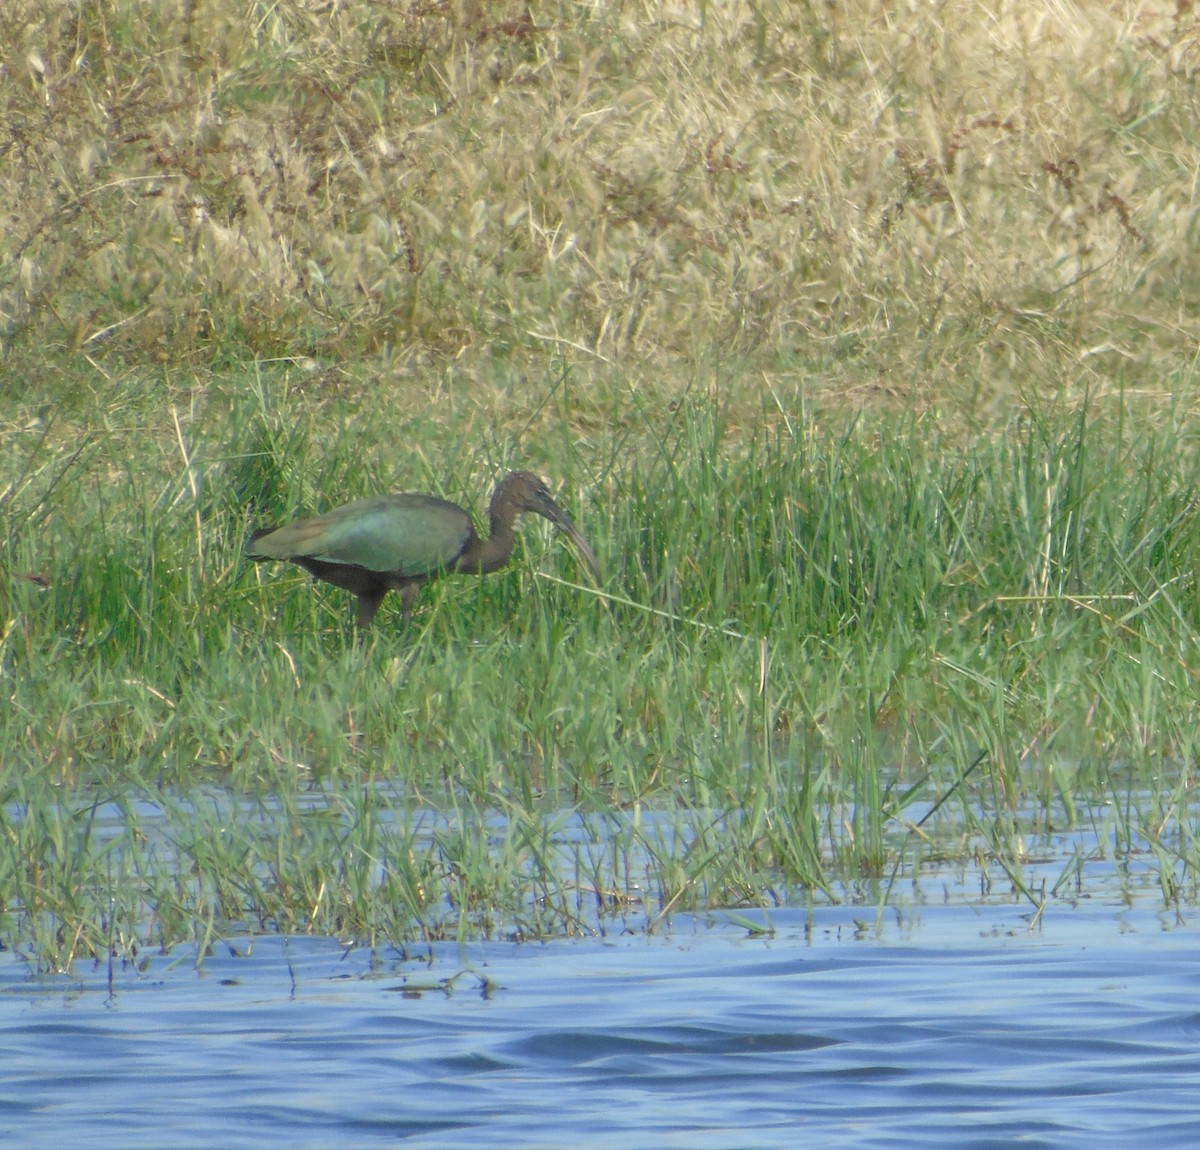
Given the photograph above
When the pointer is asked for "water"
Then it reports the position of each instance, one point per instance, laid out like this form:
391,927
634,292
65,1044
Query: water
956,1026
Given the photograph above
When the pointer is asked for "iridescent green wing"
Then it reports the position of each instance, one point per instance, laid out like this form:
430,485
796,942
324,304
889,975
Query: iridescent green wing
398,534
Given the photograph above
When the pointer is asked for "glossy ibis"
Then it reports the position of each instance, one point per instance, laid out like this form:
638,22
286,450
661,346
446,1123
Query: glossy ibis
397,542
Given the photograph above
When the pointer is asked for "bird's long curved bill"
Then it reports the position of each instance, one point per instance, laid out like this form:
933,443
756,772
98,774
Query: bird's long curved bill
581,545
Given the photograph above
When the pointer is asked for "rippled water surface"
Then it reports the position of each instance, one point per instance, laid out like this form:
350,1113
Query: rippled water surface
958,1028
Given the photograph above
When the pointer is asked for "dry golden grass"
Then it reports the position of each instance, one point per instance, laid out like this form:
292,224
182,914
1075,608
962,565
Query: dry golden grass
873,201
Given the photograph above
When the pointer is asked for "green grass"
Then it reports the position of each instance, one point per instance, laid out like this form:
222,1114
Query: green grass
809,636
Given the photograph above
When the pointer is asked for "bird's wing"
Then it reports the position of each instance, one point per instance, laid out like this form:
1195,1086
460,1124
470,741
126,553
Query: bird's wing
403,535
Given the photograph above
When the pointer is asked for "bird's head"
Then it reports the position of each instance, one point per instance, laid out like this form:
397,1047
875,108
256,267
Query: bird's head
524,491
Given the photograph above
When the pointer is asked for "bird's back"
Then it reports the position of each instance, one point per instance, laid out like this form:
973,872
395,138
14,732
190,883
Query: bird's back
404,535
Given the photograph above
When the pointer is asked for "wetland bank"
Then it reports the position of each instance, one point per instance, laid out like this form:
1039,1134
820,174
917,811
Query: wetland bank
862,355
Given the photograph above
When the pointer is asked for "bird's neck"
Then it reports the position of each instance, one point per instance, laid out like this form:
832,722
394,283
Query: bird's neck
498,546
490,554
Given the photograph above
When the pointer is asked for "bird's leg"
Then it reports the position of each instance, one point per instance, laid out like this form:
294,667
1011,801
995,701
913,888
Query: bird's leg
368,604
408,595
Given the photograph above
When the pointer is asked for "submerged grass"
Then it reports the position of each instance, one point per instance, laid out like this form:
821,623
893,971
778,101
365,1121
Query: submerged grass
861,348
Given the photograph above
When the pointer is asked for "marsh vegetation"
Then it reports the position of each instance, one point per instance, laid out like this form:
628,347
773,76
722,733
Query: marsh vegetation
859,341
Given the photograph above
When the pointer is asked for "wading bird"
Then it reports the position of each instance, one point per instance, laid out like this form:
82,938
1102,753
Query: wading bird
397,542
